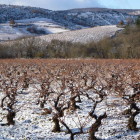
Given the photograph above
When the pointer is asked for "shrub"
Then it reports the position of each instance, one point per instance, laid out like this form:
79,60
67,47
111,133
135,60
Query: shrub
12,21
121,23
35,30
137,21
40,54
129,21
38,12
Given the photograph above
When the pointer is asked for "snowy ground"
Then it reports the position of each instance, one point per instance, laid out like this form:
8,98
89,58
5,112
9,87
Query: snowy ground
9,33
32,124
31,121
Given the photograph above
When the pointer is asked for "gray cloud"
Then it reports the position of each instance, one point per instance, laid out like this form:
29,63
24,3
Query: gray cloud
55,4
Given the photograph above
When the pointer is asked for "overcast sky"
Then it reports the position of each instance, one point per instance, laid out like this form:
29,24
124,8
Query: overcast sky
70,4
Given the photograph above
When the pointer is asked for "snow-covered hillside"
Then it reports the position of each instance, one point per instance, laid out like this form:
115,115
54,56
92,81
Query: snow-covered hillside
84,35
45,21
20,29
100,18
9,12
68,18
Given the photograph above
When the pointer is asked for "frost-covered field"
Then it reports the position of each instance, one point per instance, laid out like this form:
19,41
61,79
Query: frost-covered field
84,35
38,86
8,32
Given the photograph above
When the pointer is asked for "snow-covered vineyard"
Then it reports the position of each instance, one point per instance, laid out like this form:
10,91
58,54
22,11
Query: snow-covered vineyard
69,99
84,35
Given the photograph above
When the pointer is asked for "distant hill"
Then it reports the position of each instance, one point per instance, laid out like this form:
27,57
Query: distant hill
127,11
85,17
73,19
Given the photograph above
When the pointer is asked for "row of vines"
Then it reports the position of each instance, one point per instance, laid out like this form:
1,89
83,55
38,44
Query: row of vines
85,93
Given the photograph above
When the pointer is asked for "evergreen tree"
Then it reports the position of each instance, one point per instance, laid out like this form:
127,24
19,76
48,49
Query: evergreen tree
137,21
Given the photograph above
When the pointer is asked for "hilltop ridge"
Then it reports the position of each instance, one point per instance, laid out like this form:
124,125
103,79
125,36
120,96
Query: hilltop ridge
87,17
